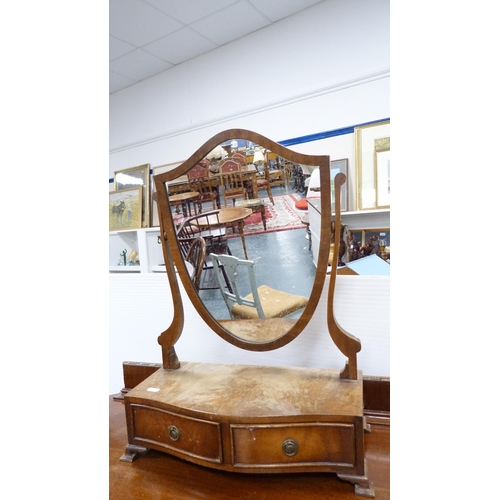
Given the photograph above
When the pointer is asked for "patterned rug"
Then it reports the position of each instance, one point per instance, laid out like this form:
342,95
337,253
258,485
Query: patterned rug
279,217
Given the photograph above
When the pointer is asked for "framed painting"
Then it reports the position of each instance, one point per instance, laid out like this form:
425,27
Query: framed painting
383,174
339,166
125,209
372,146
134,177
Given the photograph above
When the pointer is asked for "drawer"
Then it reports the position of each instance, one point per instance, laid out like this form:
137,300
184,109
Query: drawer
294,444
170,431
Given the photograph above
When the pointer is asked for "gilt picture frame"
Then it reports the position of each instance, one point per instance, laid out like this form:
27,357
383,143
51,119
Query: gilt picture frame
125,209
155,220
372,145
134,177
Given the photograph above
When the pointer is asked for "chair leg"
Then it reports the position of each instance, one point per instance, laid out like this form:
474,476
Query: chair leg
226,279
263,215
270,193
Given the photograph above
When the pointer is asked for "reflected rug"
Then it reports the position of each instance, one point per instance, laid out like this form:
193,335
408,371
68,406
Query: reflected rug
279,217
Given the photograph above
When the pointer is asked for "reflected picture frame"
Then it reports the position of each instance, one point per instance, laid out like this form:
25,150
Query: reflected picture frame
125,209
160,169
336,167
134,177
372,146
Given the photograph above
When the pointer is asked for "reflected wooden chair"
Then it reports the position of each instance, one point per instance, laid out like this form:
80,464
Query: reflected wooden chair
277,176
239,157
199,226
205,162
262,301
199,181
263,180
196,257
231,182
287,168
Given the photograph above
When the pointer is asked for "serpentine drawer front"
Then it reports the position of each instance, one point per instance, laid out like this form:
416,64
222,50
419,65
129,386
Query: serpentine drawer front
294,444
186,435
216,415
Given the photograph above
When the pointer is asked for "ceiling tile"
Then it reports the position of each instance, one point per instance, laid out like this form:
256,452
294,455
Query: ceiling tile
189,11
164,26
279,9
179,46
138,65
118,48
224,27
137,22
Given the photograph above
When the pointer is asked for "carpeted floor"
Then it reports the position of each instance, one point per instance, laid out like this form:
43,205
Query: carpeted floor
282,259
279,217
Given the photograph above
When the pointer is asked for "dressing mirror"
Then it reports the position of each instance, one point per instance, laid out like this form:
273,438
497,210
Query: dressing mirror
218,212
247,418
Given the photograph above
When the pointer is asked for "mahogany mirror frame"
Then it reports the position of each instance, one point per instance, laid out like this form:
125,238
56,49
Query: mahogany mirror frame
175,264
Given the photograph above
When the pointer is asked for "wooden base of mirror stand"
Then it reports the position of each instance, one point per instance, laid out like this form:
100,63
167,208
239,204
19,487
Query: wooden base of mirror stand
252,419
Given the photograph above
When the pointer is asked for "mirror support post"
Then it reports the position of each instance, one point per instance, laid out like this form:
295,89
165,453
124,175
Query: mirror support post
348,344
169,337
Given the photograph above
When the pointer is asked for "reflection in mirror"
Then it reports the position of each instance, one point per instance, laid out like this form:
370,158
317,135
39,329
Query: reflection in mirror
257,269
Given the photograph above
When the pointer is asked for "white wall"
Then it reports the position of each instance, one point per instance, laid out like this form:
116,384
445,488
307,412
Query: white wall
136,319
323,69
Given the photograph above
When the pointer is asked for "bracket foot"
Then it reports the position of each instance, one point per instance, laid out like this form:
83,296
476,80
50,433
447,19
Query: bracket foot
132,452
362,485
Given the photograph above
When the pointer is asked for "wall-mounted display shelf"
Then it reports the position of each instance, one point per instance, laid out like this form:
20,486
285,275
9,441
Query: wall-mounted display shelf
145,242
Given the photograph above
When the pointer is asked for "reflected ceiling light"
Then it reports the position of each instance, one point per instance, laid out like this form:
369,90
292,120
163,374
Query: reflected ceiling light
258,156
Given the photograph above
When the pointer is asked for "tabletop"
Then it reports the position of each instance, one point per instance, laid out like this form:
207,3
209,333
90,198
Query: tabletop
184,196
227,216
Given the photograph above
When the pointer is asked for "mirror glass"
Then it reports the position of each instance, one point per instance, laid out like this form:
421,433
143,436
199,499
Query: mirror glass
246,201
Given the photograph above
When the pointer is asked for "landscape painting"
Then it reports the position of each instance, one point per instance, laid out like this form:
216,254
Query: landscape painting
125,209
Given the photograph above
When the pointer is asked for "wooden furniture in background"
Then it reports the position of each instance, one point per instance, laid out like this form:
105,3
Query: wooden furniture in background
228,217
231,182
263,180
277,173
200,181
196,257
256,205
239,157
184,199
264,183
207,226
248,173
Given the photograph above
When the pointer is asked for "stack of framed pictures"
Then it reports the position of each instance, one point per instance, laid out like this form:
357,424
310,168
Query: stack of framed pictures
373,168
129,203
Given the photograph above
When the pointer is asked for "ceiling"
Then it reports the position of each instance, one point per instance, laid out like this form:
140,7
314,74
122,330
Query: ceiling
147,37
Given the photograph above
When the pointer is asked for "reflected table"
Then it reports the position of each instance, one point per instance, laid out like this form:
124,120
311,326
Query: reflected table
227,217
184,199
257,205
248,172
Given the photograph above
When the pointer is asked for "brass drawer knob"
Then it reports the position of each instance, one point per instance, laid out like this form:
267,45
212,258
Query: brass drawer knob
290,447
174,433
